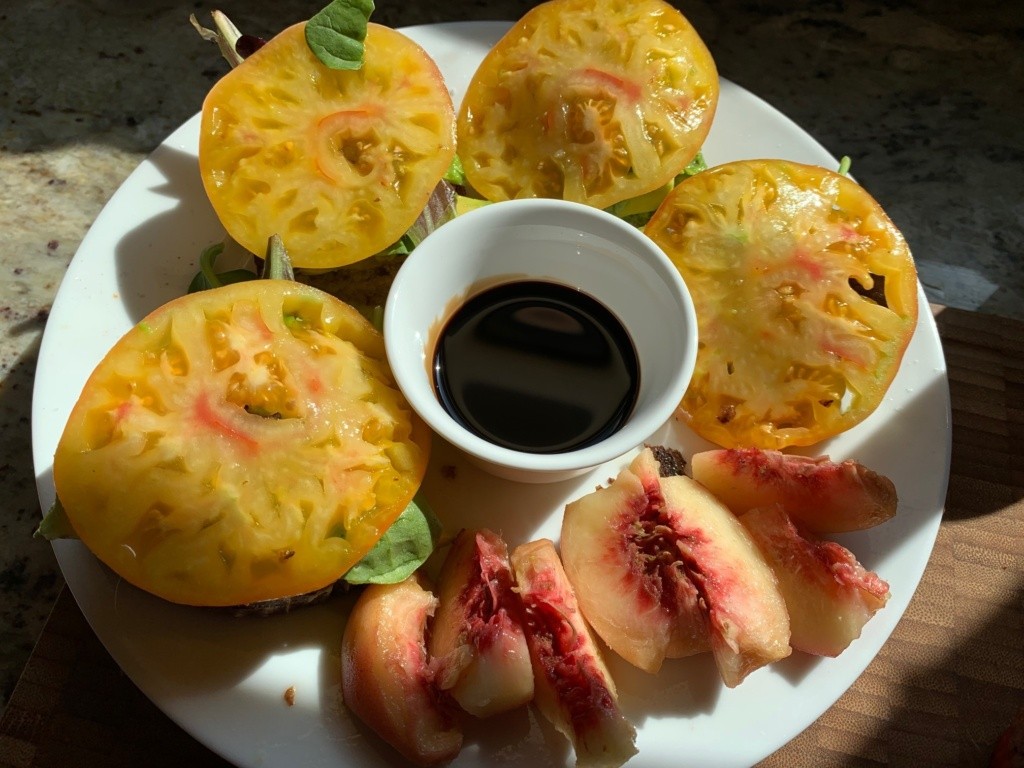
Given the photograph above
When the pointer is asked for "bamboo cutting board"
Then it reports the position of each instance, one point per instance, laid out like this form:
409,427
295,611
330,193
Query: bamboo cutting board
945,685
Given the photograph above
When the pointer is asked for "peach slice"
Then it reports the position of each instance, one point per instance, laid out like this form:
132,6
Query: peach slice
829,595
476,637
386,678
823,495
747,617
663,569
627,574
573,688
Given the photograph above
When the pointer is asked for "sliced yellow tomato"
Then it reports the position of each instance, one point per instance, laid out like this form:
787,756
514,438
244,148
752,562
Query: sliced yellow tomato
240,444
806,299
338,163
593,101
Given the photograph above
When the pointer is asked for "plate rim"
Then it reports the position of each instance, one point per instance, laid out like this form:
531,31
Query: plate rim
50,340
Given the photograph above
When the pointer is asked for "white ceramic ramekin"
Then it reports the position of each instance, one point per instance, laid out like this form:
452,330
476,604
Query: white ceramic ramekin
558,241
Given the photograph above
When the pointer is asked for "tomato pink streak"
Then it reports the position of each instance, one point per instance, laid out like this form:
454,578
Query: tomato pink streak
844,353
803,259
564,661
206,416
849,234
344,117
627,88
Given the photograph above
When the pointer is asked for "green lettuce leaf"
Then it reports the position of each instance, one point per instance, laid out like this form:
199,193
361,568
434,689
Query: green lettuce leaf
638,210
455,174
696,165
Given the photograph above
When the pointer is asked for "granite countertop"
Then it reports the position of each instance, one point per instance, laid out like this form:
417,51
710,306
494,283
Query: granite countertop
923,96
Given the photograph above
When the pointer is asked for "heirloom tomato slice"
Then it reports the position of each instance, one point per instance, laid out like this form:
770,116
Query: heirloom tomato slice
240,444
338,163
593,101
806,299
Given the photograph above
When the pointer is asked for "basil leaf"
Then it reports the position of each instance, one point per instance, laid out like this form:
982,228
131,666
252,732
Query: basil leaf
336,34
209,277
55,524
200,283
402,549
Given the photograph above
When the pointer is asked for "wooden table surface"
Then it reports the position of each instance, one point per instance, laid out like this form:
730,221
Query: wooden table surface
945,685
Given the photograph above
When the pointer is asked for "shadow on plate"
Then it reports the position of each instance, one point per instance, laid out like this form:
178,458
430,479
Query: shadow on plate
155,261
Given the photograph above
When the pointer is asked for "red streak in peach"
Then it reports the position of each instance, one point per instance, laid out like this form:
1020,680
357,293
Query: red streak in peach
647,536
750,461
837,560
418,667
772,468
713,589
491,604
847,571
567,665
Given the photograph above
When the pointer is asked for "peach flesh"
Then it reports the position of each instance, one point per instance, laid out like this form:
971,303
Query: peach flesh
573,687
386,677
631,587
747,618
477,639
825,496
662,569
829,595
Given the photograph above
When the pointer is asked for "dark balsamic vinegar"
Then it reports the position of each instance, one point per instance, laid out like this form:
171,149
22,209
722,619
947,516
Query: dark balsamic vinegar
536,366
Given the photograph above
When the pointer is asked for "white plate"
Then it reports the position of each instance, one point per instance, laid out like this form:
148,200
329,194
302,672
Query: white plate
223,679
